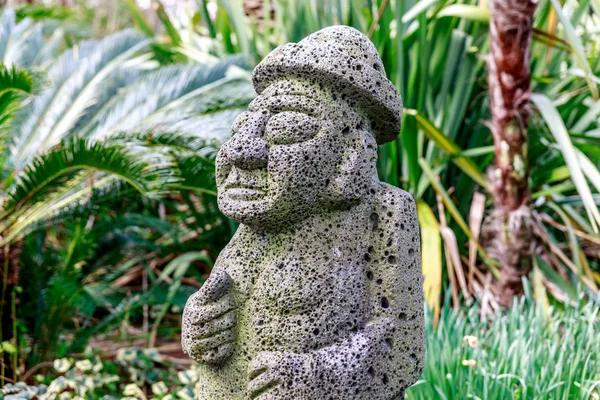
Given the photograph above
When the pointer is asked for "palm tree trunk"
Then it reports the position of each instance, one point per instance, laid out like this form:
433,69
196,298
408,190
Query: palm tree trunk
509,231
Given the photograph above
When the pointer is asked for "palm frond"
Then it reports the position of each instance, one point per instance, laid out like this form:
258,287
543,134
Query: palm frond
43,12
14,84
7,24
229,93
25,42
200,134
154,92
77,198
79,78
49,172
197,174
51,48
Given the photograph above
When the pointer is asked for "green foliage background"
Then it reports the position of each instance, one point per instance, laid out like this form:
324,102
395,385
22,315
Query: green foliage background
109,218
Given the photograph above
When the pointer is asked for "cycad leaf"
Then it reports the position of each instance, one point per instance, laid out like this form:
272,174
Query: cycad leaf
49,172
51,48
44,12
7,24
196,174
26,40
156,91
78,78
14,83
74,199
202,134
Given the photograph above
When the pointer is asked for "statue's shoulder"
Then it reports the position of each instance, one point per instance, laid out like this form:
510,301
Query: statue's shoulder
392,197
395,236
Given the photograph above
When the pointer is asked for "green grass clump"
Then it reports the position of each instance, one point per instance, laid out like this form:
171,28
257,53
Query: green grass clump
528,352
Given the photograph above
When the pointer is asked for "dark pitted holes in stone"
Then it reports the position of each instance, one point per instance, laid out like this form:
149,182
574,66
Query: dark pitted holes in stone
413,358
392,260
402,316
385,302
411,252
374,218
367,257
379,281
370,275
385,379
371,372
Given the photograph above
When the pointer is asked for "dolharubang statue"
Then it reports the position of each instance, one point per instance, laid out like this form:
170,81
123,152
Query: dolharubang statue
318,295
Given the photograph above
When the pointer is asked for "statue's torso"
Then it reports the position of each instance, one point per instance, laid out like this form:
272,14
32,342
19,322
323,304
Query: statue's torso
294,295
315,289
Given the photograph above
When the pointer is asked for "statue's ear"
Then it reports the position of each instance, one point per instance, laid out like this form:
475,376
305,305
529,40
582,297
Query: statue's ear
357,169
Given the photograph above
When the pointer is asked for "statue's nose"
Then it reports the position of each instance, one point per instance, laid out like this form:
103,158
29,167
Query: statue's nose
246,149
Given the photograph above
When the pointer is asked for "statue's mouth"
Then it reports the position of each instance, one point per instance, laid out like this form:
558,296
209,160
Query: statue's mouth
245,193
246,185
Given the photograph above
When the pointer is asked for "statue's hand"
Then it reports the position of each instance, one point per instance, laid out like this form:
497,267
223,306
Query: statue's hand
279,376
209,320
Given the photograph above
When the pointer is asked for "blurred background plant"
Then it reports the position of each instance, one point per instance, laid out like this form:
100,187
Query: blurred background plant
108,136
510,354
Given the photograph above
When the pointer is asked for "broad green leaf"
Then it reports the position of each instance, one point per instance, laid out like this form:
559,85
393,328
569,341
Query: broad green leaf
138,18
449,146
555,278
8,347
457,216
418,8
166,21
431,250
467,11
539,291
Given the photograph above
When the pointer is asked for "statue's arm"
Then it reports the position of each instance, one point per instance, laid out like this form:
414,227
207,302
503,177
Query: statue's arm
209,321
357,368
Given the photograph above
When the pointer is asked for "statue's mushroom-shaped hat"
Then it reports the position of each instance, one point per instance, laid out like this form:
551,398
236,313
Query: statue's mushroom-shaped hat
347,61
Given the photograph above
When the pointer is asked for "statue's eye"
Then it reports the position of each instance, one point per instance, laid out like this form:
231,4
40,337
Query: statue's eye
239,122
289,127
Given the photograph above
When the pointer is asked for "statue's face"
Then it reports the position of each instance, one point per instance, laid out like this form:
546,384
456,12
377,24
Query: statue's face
284,154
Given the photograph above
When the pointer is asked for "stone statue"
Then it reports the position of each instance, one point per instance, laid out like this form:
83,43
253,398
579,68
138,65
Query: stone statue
318,296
